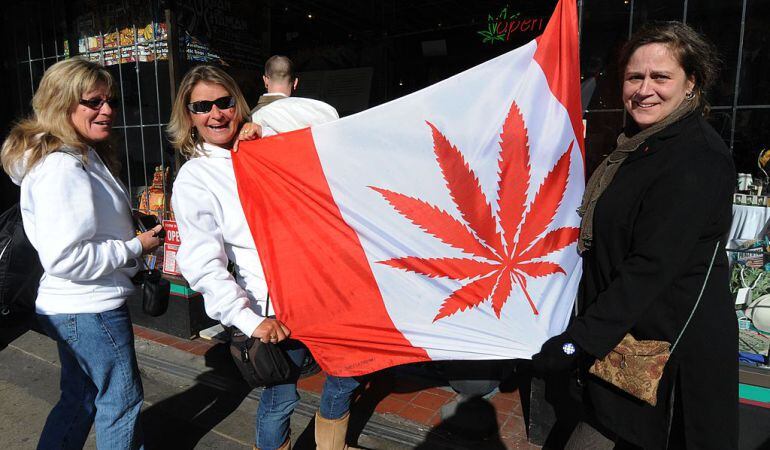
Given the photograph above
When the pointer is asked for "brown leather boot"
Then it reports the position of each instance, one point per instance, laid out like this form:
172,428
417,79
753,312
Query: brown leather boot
286,445
330,434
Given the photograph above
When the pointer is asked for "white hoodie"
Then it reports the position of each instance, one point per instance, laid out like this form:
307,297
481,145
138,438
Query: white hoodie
213,230
79,222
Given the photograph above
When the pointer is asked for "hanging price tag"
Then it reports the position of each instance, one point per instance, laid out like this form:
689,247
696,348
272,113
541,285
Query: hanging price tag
743,296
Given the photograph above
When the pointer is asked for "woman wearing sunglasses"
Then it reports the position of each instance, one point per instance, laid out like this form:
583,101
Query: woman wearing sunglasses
205,120
77,216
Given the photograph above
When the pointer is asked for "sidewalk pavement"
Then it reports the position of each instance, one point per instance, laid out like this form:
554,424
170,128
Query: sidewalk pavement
194,398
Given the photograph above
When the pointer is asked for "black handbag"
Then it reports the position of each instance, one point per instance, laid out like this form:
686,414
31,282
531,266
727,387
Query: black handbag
155,289
20,271
260,364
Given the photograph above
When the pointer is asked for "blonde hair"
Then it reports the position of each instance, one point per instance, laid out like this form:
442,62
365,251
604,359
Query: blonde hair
180,128
49,127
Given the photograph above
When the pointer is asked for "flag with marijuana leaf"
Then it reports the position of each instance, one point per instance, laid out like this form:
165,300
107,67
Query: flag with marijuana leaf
440,225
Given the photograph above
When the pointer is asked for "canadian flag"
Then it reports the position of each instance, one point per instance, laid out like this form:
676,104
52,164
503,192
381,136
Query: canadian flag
441,225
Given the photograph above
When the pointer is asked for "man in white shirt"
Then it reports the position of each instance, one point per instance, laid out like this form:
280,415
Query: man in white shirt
290,113
280,81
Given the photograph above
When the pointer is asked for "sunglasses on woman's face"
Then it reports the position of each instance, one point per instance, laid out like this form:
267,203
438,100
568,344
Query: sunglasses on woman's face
96,103
204,106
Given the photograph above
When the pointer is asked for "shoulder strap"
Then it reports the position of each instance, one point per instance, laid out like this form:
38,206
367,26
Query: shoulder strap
703,288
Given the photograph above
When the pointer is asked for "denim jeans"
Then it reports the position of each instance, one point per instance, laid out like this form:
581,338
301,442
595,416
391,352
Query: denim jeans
99,384
278,401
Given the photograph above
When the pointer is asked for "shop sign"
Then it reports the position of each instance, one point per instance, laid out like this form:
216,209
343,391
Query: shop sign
506,24
171,247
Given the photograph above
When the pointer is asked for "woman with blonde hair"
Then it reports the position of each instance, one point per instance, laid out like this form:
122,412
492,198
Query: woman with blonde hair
77,216
208,112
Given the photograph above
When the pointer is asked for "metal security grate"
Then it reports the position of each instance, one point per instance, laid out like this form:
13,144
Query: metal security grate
135,52
727,23
139,54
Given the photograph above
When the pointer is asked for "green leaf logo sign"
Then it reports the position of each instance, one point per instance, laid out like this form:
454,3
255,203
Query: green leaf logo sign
501,27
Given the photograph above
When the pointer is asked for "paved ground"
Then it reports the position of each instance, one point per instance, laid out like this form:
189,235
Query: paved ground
193,402
411,405
194,399
179,412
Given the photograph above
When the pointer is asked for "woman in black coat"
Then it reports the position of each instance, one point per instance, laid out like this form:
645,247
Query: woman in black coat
654,213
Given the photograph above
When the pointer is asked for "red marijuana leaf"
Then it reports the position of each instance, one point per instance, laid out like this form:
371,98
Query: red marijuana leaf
505,249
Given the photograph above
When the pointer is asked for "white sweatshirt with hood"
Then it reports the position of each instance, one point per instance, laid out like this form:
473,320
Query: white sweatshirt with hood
213,230
79,222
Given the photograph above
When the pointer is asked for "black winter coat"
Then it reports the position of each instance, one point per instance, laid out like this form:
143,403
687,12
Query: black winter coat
655,230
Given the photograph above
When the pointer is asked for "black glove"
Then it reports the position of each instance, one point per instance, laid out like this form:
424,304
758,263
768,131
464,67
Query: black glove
558,354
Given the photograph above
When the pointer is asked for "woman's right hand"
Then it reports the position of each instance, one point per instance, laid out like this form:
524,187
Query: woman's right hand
150,239
271,330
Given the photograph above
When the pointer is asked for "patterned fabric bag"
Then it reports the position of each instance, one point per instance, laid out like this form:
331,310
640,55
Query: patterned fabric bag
637,366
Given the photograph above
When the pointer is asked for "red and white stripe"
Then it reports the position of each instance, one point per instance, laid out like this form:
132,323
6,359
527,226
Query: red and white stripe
323,230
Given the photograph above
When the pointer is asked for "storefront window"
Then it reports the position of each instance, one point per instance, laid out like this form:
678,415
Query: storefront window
406,48
720,21
131,41
602,128
755,62
721,118
37,41
604,30
752,134
651,10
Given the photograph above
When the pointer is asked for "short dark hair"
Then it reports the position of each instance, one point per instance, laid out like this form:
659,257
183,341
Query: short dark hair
696,54
280,68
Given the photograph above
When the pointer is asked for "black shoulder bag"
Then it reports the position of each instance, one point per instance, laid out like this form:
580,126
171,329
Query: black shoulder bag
260,364
20,271
155,289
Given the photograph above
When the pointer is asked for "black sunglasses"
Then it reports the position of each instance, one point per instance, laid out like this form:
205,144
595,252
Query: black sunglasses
98,102
204,106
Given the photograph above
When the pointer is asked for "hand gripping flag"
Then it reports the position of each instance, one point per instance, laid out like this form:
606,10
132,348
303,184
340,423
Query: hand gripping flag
441,225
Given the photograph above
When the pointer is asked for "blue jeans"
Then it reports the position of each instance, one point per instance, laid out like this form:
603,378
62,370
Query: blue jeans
278,401
100,382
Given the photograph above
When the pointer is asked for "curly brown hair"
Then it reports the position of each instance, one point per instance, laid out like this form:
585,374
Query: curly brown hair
696,54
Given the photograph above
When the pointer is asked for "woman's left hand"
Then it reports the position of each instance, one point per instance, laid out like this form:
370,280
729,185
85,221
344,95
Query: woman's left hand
249,132
150,239
558,354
